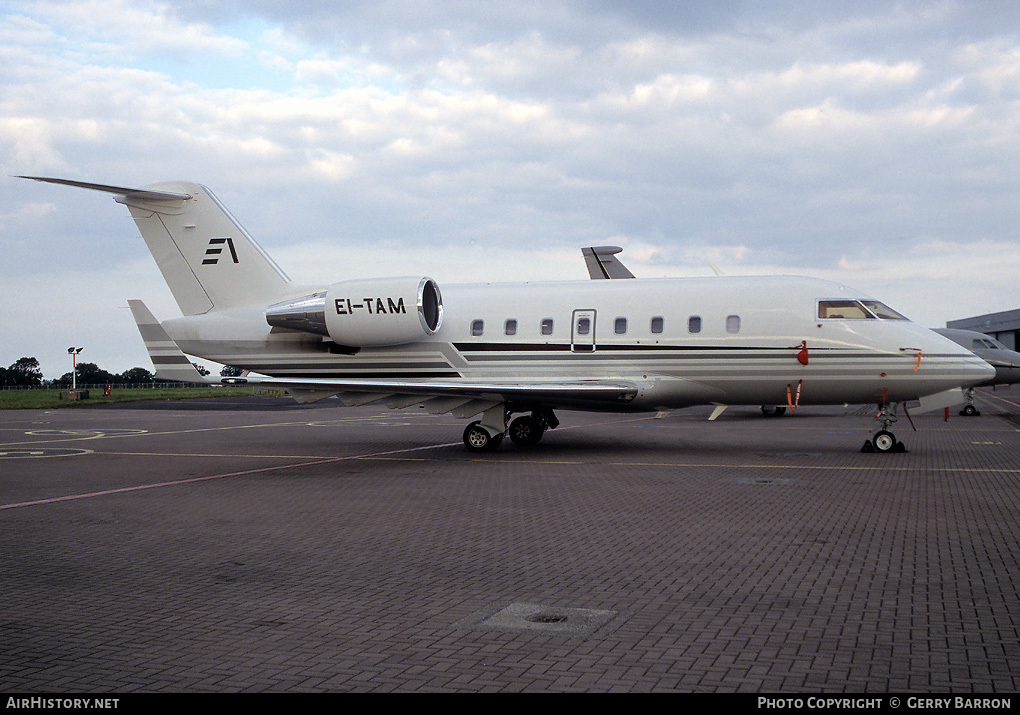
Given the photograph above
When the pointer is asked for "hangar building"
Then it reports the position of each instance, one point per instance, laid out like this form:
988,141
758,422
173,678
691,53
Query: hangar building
1003,326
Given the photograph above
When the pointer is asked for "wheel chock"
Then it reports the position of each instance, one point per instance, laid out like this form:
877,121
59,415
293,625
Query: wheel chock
868,448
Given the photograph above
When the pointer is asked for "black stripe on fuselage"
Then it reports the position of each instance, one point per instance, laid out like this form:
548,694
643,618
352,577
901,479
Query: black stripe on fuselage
608,347
332,364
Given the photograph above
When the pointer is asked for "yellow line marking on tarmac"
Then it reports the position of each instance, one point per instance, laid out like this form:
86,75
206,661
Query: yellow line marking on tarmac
576,462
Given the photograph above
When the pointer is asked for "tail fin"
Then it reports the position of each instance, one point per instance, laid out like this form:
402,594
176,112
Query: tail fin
207,259
167,359
602,263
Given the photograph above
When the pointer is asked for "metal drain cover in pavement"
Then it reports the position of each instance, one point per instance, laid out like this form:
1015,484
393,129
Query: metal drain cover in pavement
581,622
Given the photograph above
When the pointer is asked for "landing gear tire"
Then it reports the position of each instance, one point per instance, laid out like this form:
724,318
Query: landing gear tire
970,411
526,431
883,441
773,410
477,439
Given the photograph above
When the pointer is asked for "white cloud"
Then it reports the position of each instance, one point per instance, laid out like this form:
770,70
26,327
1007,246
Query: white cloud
108,28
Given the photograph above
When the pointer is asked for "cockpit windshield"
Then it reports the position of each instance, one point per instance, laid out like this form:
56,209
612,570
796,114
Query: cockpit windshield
845,309
988,344
882,310
856,310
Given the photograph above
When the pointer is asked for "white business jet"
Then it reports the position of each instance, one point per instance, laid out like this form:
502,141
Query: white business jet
500,349
1005,361
602,264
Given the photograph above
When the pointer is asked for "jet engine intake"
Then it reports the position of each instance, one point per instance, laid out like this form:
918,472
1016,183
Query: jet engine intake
365,313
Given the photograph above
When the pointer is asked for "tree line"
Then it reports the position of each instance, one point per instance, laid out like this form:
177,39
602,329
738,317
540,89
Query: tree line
25,372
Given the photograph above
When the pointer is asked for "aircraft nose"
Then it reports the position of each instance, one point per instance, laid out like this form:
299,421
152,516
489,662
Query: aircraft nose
977,371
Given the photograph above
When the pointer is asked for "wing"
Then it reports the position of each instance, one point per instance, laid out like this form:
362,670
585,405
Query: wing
576,392
462,398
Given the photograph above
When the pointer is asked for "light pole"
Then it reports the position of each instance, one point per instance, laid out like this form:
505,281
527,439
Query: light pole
73,352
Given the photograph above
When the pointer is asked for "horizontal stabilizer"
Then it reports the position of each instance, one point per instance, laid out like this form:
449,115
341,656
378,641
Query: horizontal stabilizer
146,194
167,359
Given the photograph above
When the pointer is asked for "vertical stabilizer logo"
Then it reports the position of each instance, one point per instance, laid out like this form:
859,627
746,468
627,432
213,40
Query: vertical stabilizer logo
212,254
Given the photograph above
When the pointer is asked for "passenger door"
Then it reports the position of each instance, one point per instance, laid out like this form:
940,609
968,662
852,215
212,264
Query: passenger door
582,333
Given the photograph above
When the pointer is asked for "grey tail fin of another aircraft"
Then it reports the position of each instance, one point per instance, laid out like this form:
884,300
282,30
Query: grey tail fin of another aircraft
167,359
602,262
207,259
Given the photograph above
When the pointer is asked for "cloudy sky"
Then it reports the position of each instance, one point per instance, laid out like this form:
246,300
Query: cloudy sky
876,144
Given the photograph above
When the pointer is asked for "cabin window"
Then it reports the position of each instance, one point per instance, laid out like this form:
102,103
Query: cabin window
510,327
620,326
694,324
583,326
732,323
657,323
882,310
842,309
547,326
477,327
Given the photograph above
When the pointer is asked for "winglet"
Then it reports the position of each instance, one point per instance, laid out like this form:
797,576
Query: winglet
602,263
168,360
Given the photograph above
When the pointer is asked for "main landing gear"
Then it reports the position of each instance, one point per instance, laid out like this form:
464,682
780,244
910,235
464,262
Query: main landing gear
487,434
478,439
884,440
773,410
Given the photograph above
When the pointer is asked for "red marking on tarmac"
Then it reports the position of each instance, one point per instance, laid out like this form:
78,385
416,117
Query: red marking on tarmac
1008,402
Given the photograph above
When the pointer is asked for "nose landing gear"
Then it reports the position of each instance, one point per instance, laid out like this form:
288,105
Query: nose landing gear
969,410
884,440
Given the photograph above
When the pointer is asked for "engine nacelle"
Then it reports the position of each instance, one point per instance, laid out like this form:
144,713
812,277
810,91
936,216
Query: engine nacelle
366,313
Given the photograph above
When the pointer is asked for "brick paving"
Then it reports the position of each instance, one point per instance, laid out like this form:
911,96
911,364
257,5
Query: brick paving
259,546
